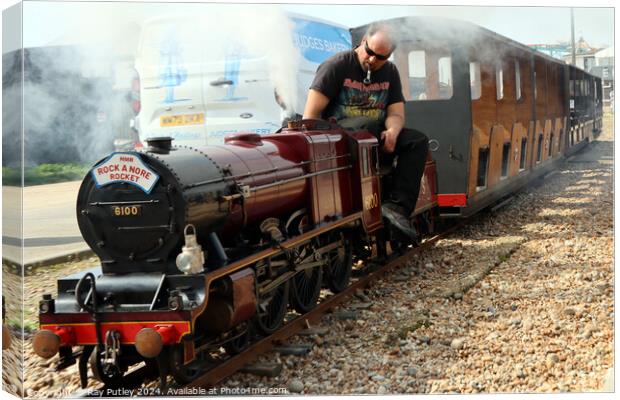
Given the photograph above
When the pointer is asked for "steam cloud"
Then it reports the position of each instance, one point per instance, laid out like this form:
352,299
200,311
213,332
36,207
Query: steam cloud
69,114
76,96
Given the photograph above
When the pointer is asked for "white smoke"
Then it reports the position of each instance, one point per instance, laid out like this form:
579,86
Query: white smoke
272,37
76,88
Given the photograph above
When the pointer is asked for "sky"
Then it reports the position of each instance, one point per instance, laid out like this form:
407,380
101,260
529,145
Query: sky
54,22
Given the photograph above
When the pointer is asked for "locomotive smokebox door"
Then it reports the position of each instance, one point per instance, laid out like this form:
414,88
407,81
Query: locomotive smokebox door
133,206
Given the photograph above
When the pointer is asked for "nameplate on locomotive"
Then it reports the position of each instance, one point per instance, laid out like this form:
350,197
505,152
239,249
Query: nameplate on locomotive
125,168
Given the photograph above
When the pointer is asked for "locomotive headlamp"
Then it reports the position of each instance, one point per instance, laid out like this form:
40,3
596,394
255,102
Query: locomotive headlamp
191,259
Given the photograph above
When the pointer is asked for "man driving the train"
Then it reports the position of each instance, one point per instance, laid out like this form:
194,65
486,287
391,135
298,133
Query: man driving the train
362,88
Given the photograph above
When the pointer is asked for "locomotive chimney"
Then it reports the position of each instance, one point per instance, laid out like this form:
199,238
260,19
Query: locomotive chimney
160,144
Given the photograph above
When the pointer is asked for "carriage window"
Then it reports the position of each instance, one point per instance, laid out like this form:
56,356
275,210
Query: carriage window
595,92
550,146
434,83
505,159
483,163
365,162
445,77
499,82
535,88
518,80
523,150
539,149
417,74
475,82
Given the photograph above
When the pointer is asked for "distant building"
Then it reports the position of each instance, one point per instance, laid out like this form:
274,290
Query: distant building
599,62
584,55
604,68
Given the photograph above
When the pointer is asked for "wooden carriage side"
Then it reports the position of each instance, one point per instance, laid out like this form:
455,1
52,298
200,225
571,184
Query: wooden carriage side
497,112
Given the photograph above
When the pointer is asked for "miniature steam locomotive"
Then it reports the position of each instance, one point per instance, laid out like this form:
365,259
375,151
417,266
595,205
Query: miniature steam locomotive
200,247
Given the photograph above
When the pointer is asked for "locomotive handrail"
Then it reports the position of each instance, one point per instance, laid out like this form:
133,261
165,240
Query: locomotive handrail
261,172
114,203
143,228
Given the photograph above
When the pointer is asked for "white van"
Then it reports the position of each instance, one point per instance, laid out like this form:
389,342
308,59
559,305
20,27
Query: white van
199,78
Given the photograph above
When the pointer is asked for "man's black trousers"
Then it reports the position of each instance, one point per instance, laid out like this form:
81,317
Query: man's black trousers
411,150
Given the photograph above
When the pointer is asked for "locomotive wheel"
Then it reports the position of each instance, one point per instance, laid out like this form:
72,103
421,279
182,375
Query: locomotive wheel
241,342
306,289
340,264
111,377
271,309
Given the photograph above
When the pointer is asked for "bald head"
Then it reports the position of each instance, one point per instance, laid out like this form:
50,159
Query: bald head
377,46
382,34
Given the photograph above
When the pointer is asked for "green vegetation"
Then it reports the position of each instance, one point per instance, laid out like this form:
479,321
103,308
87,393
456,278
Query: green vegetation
44,174
28,326
504,257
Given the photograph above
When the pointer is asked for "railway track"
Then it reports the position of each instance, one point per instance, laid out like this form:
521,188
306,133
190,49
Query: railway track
132,382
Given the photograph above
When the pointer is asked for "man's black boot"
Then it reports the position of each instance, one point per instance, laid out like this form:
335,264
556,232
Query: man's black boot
397,215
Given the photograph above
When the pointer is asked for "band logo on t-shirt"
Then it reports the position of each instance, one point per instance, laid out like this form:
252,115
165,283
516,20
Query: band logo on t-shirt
359,100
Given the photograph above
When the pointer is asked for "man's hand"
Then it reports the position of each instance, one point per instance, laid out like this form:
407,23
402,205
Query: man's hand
389,136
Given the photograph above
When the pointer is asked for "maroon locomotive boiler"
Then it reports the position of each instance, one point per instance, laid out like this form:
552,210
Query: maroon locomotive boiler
201,247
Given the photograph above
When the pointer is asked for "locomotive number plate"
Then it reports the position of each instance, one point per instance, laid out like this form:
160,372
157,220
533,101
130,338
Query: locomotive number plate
183,119
126,211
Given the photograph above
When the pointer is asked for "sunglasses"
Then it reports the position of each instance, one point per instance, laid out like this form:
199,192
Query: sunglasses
373,54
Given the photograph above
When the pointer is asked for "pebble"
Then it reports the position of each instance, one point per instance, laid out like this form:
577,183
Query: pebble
519,372
570,311
424,339
552,359
295,386
457,344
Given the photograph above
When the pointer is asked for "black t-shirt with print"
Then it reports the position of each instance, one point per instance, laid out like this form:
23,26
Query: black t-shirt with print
341,79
